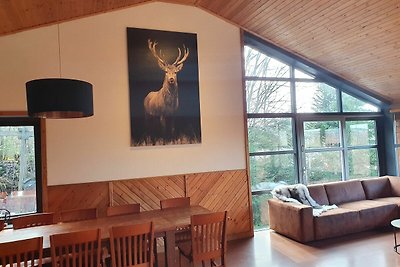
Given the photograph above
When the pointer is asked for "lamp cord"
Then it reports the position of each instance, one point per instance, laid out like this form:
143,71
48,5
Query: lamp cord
59,49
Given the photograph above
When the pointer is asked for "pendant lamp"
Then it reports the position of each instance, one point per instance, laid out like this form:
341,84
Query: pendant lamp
59,98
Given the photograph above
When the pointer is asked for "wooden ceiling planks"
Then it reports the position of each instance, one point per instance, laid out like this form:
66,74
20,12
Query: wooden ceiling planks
358,40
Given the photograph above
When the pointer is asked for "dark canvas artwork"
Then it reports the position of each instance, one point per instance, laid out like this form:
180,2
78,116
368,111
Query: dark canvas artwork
164,87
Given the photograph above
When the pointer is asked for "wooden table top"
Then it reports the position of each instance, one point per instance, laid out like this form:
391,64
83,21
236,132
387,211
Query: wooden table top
164,220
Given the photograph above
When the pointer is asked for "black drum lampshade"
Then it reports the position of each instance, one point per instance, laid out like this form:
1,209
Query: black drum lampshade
57,98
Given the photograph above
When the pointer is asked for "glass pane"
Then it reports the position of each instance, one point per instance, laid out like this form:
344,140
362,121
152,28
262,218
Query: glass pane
315,97
318,134
397,128
17,169
352,104
360,133
363,163
268,171
270,134
260,211
323,167
260,65
398,157
302,75
268,97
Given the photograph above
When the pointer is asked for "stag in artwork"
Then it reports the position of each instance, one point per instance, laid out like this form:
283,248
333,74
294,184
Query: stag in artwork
163,104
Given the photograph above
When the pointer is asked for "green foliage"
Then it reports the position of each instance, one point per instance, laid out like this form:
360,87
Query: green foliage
260,211
10,158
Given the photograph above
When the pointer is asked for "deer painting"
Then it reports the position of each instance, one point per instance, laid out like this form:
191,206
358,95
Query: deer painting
163,88
165,102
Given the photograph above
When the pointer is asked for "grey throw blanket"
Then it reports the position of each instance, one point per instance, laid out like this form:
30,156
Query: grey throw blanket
298,193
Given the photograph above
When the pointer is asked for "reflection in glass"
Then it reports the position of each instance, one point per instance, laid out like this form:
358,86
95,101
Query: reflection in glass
312,97
318,134
268,97
323,167
361,133
352,104
268,171
260,211
260,65
363,163
270,134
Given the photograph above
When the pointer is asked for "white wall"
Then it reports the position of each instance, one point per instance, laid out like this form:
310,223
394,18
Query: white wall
95,49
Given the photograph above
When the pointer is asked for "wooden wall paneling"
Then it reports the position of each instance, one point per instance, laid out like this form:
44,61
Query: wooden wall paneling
149,191
77,196
246,135
219,191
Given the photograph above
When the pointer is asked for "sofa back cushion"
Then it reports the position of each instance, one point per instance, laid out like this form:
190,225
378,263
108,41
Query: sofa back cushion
377,188
343,192
318,193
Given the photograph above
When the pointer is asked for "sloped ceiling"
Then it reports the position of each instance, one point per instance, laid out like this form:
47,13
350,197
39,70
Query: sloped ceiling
358,40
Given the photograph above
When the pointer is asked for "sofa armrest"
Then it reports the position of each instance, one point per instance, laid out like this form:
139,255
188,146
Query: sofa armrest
292,220
395,185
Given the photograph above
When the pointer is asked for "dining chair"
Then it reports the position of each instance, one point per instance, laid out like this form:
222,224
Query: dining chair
132,245
74,249
32,220
123,209
77,215
175,202
182,233
28,252
208,240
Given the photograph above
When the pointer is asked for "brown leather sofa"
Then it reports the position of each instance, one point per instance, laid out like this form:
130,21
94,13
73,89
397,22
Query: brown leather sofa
362,205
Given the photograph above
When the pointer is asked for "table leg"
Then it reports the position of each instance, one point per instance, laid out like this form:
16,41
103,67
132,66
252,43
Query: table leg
170,248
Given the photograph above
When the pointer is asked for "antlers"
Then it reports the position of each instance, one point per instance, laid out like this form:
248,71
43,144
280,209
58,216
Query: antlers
178,60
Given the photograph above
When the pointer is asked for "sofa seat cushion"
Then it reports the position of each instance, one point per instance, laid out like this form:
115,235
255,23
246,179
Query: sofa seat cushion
392,200
372,213
336,222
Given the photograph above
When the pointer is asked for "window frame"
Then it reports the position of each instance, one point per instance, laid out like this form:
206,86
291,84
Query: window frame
383,119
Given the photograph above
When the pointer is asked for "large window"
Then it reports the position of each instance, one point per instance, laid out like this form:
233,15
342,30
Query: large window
20,165
302,129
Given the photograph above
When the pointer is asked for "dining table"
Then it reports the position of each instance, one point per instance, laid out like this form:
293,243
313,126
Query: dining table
165,223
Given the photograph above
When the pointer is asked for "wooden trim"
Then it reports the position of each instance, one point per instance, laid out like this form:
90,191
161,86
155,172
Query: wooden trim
242,235
18,113
43,153
246,135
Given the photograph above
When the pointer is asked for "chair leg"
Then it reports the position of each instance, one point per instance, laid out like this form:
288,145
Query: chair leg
155,253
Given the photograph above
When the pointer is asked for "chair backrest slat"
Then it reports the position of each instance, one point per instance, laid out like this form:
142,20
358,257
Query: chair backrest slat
23,251
32,220
132,245
123,209
209,236
76,249
178,202
77,215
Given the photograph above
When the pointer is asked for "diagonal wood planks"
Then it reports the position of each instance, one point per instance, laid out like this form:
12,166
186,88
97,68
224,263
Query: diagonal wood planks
217,191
